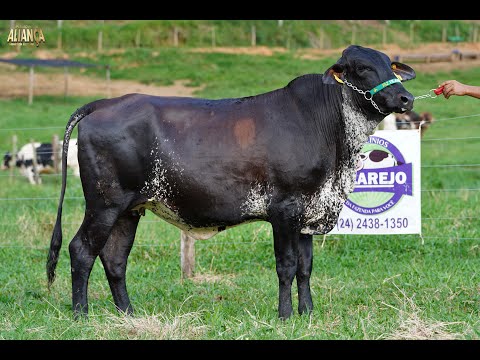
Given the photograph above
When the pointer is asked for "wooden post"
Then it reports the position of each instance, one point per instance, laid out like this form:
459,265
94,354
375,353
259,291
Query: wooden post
65,77
254,36
100,37
109,91
213,37
287,45
56,153
137,38
354,33
30,86
59,39
175,36
475,34
384,38
444,34
187,254
13,161
411,32
36,178
322,39
100,40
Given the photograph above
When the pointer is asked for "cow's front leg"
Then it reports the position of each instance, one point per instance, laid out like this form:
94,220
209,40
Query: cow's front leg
285,237
304,270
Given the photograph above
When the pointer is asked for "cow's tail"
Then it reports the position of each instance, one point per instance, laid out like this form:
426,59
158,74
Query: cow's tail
56,241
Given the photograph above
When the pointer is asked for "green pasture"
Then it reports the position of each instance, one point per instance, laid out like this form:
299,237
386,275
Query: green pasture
363,287
291,34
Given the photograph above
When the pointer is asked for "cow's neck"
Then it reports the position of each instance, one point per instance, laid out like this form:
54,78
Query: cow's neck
359,125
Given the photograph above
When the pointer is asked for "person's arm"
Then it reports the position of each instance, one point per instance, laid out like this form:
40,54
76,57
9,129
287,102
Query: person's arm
453,87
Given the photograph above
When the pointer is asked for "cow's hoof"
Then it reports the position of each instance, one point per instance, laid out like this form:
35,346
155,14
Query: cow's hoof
80,312
78,316
128,311
284,315
305,310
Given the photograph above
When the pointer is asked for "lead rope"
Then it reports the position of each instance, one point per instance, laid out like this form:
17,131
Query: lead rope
436,92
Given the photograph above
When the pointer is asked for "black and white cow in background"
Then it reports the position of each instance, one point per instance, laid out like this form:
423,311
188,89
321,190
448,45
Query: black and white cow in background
24,159
287,157
409,120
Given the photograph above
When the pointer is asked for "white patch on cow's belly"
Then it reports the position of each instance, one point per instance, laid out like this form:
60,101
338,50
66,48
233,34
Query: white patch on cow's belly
162,211
257,201
198,233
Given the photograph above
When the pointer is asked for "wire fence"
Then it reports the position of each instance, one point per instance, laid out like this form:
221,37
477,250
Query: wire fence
7,201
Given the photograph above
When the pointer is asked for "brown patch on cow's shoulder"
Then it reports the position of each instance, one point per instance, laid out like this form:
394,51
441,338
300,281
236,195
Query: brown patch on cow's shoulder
244,131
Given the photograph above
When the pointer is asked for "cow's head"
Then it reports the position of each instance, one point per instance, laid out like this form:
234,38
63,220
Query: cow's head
376,78
6,161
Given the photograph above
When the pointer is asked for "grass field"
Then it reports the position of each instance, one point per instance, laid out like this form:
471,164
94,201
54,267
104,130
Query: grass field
363,287
292,34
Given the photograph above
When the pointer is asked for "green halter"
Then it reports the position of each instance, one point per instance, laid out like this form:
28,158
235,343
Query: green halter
383,86
368,95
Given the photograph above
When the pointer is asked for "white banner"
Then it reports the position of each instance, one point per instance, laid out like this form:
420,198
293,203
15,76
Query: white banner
387,196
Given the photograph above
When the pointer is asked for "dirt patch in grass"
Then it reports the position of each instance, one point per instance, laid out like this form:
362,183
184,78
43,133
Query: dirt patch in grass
247,50
16,84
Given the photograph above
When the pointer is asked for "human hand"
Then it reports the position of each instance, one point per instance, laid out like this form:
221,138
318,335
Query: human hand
453,87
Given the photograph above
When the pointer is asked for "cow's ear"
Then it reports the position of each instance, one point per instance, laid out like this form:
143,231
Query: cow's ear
403,72
334,74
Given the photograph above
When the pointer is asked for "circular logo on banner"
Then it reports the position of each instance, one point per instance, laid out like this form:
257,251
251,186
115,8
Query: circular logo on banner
382,178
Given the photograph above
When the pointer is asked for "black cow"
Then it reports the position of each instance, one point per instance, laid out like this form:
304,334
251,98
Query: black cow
286,157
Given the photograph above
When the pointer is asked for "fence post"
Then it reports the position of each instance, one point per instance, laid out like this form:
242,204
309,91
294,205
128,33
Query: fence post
100,38
444,34
287,42
213,37
384,38
175,36
354,33
65,77
109,91
137,38
36,177
56,153
30,86
412,25
254,36
59,39
187,254
13,161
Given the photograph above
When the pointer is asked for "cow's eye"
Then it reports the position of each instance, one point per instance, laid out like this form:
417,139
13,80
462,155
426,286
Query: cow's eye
363,68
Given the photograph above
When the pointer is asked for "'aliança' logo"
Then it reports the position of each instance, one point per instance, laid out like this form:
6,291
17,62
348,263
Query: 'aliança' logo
382,178
25,35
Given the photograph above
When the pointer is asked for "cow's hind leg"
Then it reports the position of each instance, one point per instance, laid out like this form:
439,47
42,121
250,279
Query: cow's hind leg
304,270
114,257
84,249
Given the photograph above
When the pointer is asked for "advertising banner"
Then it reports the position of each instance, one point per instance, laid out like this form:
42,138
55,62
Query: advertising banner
387,196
